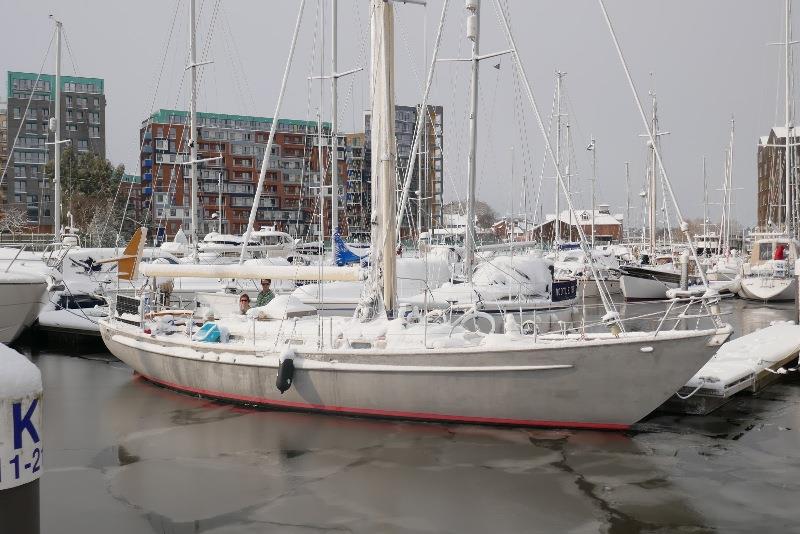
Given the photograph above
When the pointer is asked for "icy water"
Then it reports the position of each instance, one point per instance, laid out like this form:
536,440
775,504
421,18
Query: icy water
124,456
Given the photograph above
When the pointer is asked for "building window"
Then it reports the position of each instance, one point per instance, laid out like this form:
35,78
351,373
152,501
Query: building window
19,186
94,131
82,101
83,145
96,102
94,118
68,100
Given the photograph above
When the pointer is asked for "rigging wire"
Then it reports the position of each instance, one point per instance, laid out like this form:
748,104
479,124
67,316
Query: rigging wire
27,107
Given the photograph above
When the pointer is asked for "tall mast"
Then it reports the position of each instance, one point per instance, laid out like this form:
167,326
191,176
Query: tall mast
57,143
787,111
705,208
384,155
592,148
628,196
567,170
219,202
557,223
473,33
729,187
193,120
652,192
321,157
334,125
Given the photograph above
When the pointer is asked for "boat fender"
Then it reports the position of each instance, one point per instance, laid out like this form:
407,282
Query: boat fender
283,381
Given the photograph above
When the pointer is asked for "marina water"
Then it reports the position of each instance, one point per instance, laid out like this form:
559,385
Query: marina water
126,456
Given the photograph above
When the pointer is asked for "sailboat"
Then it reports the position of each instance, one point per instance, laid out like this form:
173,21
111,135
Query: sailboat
769,274
413,365
656,272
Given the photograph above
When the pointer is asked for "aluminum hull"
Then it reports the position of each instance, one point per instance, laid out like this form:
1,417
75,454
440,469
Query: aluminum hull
607,383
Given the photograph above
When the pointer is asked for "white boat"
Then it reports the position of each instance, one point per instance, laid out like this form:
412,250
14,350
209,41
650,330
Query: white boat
769,275
21,297
573,264
522,282
414,277
408,366
648,282
216,247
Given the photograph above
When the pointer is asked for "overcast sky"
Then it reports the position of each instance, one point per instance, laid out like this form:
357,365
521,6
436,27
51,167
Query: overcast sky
706,60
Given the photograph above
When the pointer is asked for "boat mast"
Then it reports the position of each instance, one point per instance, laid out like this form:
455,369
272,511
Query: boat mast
193,121
705,210
334,125
219,202
652,191
592,147
473,34
787,112
57,143
557,221
729,188
384,155
567,170
628,197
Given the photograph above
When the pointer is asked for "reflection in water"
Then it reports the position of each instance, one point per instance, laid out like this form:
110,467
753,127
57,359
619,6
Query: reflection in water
153,460
251,469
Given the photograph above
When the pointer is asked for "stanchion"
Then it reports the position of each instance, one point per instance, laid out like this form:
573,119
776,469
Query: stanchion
20,443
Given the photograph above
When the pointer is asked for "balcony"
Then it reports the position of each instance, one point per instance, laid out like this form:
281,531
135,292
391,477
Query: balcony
148,135
147,177
147,164
147,149
147,191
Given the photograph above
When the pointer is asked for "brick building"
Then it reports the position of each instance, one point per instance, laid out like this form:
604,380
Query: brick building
83,119
607,227
290,200
356,193
3,143
772,176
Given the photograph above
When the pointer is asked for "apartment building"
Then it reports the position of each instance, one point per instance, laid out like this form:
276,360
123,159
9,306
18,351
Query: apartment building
83,119
425,197
290,199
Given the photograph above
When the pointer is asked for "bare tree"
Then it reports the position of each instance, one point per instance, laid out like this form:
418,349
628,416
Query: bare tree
13,219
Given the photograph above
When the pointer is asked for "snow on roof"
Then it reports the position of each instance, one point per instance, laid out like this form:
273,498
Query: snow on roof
780,132
20,377
455,219
585,217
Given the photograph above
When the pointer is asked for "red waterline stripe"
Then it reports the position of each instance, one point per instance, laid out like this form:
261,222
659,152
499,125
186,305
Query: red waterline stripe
384,413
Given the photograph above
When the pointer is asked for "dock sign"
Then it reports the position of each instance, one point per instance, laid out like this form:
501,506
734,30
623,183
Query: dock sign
20,440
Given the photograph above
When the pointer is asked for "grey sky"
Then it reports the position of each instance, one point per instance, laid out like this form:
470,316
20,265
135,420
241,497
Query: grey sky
709,60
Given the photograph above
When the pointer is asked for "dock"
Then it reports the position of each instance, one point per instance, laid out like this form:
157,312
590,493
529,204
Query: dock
749,363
